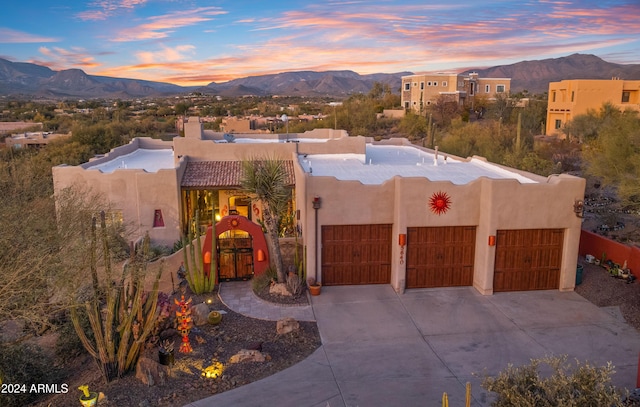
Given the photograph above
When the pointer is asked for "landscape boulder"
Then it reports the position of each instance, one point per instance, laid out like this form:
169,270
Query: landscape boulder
279,289
246,355
286,325
200,314
150,372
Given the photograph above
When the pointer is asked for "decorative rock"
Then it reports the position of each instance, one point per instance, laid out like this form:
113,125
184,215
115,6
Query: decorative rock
279,289
199,314
246,355
286,325
150,372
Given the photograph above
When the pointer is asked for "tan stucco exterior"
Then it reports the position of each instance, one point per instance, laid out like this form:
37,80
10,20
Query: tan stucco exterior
570,98
420,91
485,203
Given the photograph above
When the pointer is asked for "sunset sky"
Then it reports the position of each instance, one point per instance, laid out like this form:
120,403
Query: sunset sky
194,42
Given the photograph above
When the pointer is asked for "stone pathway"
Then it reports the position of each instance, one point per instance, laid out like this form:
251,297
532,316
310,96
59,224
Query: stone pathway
238,296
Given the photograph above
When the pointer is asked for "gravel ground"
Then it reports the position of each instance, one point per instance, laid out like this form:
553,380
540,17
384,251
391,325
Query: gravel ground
209,342
237,332
603,290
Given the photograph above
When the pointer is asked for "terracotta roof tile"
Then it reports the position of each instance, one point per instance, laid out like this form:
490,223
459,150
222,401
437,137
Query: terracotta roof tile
221,174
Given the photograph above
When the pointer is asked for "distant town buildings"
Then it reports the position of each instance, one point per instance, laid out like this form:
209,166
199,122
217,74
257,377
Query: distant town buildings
573,97
32,140
420,91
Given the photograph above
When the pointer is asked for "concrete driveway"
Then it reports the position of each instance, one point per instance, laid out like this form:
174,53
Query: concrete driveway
383,349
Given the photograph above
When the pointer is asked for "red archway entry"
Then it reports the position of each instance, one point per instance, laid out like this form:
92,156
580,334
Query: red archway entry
237,222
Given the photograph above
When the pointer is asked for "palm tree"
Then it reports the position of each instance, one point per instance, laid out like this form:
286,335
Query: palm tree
266,180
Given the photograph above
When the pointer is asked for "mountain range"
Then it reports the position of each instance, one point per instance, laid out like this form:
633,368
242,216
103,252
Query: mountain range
21,79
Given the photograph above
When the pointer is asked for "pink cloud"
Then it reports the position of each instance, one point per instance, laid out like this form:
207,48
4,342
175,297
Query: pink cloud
162,26
9,36
60,58
103,9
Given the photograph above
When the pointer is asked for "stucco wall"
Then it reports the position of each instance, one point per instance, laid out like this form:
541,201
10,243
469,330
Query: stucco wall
134,192
488,204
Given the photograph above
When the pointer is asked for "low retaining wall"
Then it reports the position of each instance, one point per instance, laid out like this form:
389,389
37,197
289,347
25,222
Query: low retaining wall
595,245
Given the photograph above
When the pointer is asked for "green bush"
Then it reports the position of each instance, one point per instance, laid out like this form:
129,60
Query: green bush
26,364
260,282
567,385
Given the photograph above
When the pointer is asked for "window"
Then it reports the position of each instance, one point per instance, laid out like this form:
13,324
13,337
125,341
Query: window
415,84
487,88
626,96
444,83
558,123
500,88
406,105
421,85
553,96
407,86
573,95
435,83
158,220
428,83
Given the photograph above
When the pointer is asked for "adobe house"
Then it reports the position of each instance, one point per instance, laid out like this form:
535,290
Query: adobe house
367,212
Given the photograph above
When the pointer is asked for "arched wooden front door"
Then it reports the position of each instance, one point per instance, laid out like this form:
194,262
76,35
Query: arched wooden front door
253,251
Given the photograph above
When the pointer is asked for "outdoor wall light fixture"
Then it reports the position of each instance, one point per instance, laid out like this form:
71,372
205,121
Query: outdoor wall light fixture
492,240
207,257
260,255
578,207
317,202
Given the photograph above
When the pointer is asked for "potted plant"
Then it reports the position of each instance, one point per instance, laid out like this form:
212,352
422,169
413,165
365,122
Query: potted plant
314,286
165,353
88,398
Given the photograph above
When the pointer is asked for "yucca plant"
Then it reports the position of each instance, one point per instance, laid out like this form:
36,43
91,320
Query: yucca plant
121,313
266,180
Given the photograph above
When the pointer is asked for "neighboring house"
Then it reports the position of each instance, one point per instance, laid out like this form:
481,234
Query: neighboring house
9,127
368,212
420,91
570,98
33,140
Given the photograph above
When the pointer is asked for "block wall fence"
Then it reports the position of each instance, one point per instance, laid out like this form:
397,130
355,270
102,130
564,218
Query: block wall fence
594,244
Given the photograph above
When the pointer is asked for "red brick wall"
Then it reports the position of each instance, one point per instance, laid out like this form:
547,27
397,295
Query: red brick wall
594,244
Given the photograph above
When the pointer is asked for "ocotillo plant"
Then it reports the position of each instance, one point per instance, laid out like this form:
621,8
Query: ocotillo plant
199,282
121,314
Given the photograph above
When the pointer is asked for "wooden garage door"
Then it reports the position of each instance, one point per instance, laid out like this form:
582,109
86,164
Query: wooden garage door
440,256
528,259
356,254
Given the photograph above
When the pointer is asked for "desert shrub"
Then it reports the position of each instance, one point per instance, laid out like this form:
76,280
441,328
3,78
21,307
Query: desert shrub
26,364
262,281
566,385
294,284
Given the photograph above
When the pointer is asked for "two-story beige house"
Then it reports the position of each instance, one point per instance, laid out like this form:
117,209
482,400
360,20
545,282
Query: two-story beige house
420,91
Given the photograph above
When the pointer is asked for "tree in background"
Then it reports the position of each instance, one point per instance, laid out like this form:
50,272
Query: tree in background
613,154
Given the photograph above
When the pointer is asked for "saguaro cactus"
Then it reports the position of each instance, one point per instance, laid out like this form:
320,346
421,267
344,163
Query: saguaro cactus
121,314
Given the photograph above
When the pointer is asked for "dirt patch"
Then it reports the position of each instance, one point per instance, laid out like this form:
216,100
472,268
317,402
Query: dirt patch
210,343
603,290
